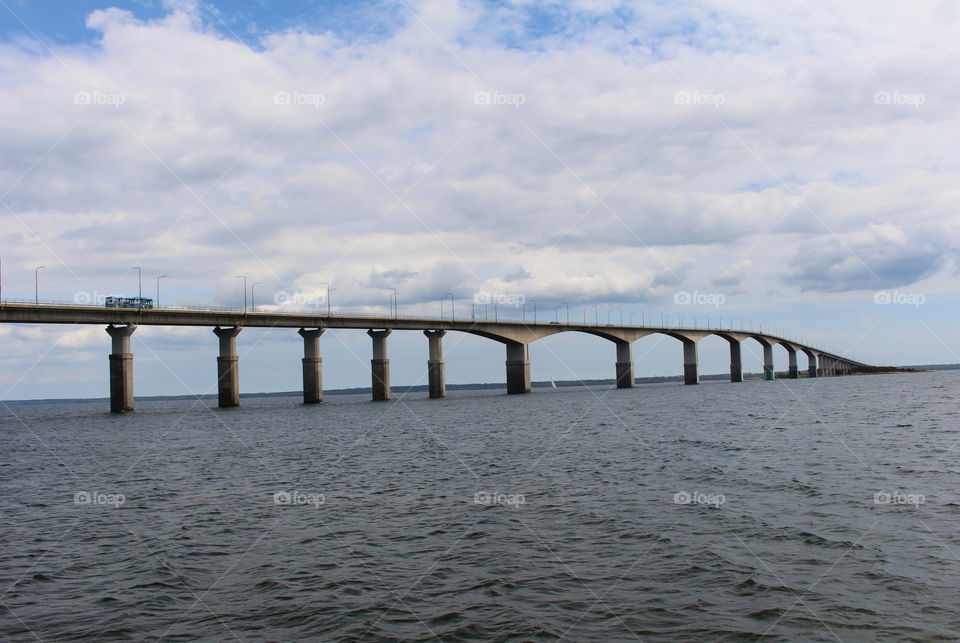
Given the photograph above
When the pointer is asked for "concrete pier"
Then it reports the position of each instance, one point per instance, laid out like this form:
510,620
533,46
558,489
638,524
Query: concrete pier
792,369
228,371
736,362
691,369
380,365
518,369
625,377
312,366
121,368
435,366
811,364
768,372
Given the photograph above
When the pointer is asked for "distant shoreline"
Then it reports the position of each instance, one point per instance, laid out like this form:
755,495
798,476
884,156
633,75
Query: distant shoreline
480,386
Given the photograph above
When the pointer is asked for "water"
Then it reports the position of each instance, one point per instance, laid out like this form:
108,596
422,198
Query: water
784,538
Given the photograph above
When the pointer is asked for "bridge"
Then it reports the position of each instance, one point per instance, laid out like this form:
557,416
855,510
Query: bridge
516,336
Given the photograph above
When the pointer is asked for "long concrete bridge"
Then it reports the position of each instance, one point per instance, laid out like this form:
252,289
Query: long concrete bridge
516,336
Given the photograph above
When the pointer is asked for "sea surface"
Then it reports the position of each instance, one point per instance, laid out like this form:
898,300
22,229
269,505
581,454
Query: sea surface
803,510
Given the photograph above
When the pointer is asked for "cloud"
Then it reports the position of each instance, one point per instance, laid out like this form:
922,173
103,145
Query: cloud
609,156
881,256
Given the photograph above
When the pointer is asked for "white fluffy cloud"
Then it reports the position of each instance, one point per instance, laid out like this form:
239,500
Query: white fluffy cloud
436,159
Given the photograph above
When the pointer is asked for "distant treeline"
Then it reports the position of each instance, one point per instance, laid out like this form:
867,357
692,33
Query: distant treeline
657,379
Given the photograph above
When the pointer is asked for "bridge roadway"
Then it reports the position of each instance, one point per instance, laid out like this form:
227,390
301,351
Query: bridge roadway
516,336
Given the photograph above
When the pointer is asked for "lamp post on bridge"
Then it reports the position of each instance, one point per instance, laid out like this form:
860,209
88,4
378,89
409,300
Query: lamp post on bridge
452,313
394,303
253,298
244,277
556,313
631,316
139,285
159,277
596,314
36,286
329,290
523,310
611,311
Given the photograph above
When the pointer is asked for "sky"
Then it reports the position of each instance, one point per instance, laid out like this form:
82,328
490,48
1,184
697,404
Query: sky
790,164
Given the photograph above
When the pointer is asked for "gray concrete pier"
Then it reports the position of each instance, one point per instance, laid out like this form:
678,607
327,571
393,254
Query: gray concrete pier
380,365
435,367
121,368
312,366
625,377
518,369
736,361
228,368
768,372
691,368
811,363
793,372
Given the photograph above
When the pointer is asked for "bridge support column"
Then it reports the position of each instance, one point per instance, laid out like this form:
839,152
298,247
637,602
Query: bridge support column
121,368
793,369
435,365
768,372
736,362
518,369
228,372
312,366
811,365
380,365
691,373
624,365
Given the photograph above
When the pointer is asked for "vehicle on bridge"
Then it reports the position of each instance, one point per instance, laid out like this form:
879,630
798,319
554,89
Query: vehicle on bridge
128,302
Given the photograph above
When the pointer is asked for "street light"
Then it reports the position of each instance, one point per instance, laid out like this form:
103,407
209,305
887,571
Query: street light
253,299
36,287
641,316
244,277
395,304
139,285
608,316
523,310
452,314
556,313
158,289
327,284
596,318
